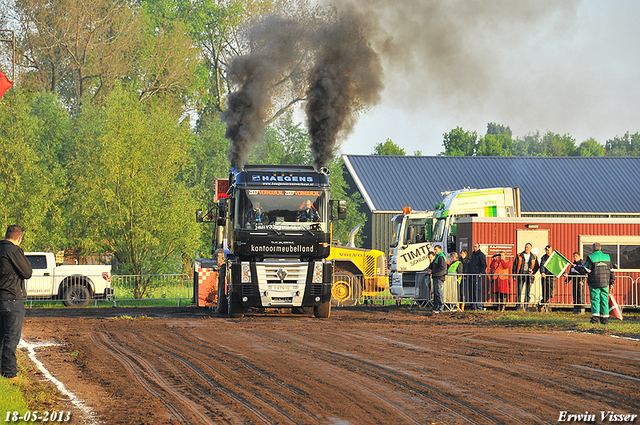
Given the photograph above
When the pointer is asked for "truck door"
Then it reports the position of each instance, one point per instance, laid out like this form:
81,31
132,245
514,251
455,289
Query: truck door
42,277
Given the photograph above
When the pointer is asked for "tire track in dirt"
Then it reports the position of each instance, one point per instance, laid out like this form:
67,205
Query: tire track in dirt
458,406
535,372
146,374
325,381
213,377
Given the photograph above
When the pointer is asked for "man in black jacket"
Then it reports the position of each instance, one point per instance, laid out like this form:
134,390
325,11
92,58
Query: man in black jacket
576,277
477,267
14,269
438,272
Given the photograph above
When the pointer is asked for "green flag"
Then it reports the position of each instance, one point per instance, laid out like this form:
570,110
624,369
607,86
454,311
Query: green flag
556,263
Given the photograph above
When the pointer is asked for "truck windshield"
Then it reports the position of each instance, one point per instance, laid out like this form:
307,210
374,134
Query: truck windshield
438,229
281,209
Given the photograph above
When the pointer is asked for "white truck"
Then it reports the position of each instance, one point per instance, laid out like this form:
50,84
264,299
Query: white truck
74,285
416,233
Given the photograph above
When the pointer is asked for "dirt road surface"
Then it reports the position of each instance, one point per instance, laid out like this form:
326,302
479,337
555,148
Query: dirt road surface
362,366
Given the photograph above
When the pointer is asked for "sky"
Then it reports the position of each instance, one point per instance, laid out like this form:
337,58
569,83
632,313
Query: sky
570,67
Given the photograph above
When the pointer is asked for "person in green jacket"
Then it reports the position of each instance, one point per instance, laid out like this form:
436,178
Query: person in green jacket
455,276
599,278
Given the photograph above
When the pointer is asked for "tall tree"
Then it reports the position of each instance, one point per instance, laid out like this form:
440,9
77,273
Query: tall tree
32,180
388,148
459,142
627,145
128,202
74,47
590,147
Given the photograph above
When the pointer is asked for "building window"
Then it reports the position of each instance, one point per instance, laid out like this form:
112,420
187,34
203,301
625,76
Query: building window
623,255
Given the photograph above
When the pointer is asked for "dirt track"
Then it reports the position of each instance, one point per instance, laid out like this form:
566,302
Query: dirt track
362,366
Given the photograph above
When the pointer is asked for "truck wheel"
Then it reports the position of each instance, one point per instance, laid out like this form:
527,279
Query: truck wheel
221,307
76,296
322,311
235,309
345,290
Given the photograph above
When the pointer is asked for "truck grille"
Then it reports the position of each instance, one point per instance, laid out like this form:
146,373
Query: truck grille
295,273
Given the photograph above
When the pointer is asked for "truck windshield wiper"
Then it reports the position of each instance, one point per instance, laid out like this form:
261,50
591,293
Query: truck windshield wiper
271,227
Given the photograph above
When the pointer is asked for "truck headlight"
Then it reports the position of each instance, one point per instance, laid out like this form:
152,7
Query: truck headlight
317,273
246,273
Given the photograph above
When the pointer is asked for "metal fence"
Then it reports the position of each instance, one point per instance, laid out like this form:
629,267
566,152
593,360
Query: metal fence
510,291
128,290
489,290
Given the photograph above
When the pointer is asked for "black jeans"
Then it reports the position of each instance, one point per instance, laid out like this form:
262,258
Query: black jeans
11,319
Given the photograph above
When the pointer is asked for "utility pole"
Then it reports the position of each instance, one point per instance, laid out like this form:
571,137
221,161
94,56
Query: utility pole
9,36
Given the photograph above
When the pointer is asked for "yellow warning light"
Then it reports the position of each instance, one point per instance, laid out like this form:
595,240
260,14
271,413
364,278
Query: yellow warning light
406,210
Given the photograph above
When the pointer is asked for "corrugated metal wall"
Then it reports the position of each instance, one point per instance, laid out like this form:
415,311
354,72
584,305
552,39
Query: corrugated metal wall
382,230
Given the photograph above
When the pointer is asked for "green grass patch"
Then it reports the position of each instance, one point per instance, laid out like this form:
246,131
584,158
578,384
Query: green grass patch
29,394
566,321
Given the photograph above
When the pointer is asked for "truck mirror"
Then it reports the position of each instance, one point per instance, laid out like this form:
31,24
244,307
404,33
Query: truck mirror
222,208
428,229
342,210
198,216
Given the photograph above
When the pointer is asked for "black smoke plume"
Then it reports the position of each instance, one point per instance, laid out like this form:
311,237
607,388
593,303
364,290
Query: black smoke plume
275,44
331,59
347,76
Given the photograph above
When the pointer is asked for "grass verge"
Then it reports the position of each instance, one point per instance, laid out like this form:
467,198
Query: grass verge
29,394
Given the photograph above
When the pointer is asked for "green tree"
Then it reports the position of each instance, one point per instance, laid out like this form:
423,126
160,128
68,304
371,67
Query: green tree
128,197
590,147
388,148
459,142
495,145
554,144
32,181
627,145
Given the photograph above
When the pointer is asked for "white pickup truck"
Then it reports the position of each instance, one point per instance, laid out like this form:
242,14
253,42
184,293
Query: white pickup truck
74,285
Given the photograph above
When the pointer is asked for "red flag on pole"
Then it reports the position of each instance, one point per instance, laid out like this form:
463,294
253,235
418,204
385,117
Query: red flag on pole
5,84
614,308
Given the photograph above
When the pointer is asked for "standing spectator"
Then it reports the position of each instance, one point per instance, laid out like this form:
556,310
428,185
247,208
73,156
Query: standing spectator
438,272
455,273
600,277
14,269
463,291
576,277
525,266
477,267
548,281
500,270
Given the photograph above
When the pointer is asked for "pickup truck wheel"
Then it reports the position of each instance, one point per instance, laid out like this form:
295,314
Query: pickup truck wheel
322,311
345,290
76,296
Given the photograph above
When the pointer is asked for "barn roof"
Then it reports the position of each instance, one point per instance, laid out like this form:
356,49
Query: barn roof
547,184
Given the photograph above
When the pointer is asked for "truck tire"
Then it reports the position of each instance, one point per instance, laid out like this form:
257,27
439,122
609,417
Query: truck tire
322,311
221,307
346,290
235,309
76,296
